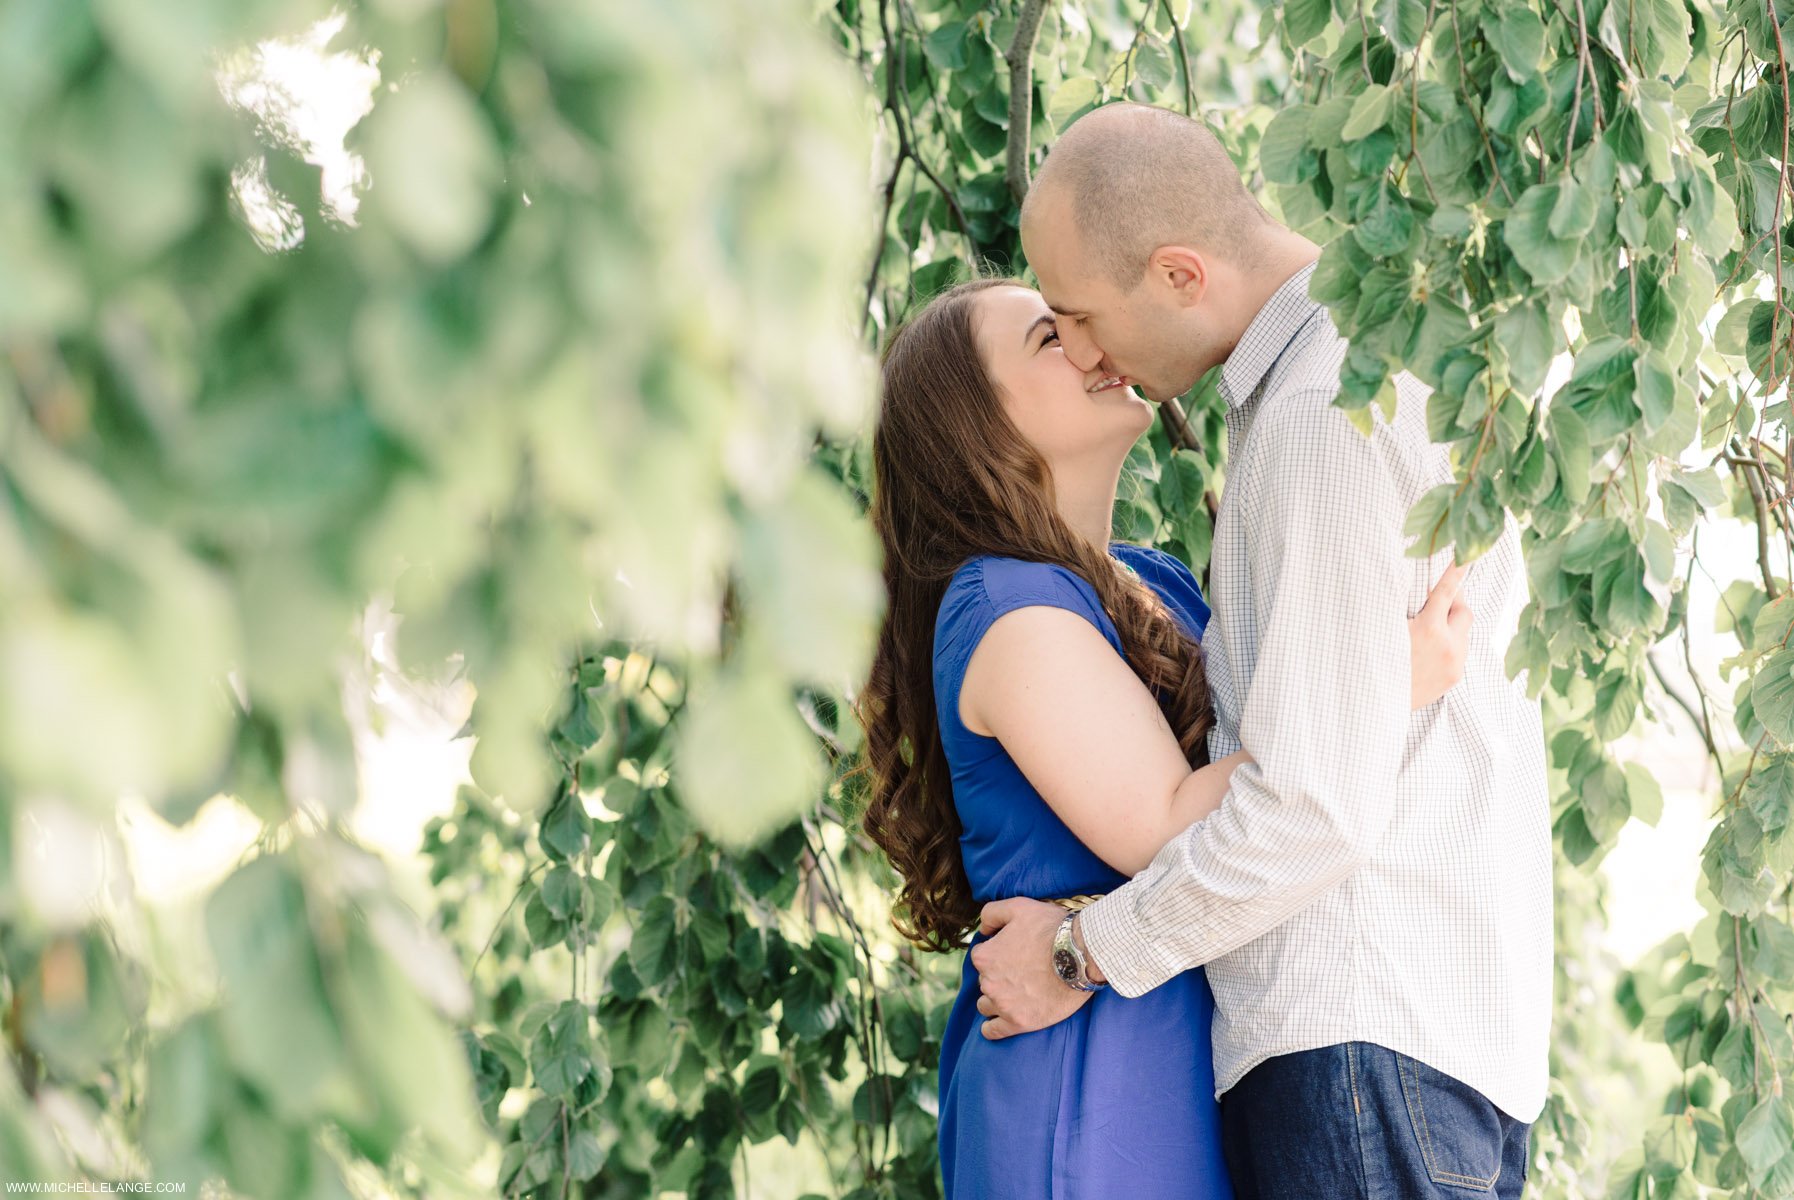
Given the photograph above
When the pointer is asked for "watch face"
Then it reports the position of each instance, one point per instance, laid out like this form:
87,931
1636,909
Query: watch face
1065,964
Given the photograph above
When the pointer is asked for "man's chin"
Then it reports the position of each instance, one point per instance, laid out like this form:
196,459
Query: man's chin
1160,395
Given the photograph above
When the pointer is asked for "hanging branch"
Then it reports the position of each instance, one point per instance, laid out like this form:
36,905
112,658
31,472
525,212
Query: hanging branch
1020,57
1748,469
1177,427
1183,60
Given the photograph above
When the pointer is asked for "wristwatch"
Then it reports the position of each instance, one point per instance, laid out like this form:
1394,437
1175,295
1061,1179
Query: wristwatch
1068,960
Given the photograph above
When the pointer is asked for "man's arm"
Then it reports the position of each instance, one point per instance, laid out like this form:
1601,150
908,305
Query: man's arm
1324,716
1324,711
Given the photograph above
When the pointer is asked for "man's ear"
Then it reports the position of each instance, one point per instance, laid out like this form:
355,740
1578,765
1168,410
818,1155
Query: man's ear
1182,270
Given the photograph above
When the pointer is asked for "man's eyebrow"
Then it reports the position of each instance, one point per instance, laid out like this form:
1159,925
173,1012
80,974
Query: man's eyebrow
1064,312
1038,322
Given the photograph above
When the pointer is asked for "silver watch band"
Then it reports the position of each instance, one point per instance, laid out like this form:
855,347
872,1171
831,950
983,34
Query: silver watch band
1068,961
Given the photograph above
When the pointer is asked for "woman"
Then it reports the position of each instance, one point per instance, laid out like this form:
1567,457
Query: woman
996,465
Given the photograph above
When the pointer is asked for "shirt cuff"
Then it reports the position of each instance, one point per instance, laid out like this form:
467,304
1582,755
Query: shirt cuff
1129,961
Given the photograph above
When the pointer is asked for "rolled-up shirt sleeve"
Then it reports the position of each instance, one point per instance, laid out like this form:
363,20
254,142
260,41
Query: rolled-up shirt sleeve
1323,711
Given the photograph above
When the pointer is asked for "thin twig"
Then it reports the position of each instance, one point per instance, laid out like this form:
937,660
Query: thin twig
1020,57
1183,60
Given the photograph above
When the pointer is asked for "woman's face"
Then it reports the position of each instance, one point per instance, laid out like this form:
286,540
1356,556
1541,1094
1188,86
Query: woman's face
1077,420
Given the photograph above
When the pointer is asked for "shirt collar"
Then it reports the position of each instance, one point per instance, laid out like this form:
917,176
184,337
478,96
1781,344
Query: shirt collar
1265,339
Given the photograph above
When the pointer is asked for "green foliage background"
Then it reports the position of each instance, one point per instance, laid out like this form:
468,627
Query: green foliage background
583,392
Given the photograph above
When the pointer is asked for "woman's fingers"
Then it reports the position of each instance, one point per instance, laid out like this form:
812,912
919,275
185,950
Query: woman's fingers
1440,600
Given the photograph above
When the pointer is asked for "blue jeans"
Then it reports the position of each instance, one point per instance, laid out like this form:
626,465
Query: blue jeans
1360,1122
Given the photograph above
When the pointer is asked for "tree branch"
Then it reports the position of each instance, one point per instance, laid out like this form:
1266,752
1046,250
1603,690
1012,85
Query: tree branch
1183,59
1761,503
1701,725
1020,57
1177,427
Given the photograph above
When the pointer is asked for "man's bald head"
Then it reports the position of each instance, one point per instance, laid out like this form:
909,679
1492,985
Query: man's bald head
1134,178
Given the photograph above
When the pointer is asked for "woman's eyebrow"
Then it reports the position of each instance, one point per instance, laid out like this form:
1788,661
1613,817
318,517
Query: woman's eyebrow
1038,322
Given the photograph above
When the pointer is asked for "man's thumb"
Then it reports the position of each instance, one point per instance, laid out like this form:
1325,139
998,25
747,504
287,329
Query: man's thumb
994,916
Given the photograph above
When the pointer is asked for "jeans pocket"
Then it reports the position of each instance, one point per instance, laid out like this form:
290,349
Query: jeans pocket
1458,1131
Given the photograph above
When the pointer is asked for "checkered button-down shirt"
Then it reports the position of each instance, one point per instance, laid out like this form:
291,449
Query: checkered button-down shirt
1375,874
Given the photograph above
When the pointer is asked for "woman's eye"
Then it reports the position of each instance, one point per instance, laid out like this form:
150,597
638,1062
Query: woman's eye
1051,336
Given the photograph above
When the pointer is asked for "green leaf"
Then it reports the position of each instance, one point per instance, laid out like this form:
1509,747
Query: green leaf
1426,523
1070,99
1765,1135
938,276
1518,36
1655,388
1527,231
1384,230
560,1054
1524,333
875,1098
1569,445
566,829
1370,112
1284,153
1771,626
1152,62
1731,335
1573,215
1660,552
651,948
1772,695
1704,485
1769,791
412,1065
561,890
435,166
809,569
585,1155
1645,794
1339,271
1404,20
1303,20
946,46
1182,485
1711,215
260,933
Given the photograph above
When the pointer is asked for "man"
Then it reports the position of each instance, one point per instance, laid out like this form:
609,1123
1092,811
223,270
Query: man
1372,900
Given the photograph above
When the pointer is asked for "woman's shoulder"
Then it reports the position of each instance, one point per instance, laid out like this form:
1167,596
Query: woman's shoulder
1151,558
1167,575
988,586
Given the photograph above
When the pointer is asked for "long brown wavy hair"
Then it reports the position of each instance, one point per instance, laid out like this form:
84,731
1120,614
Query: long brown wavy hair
953,478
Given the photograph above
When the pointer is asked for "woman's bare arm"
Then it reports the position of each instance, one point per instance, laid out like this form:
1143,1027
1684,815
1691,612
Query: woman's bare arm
1093,742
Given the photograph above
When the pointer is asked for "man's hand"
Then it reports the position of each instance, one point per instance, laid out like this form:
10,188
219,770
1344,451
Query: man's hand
1022,992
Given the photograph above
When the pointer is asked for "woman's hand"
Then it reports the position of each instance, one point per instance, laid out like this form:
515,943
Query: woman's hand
1439,639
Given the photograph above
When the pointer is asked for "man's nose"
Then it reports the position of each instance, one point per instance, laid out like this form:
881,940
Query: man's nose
1081,349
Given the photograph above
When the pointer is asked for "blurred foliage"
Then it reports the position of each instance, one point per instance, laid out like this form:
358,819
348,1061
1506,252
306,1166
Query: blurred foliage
552,364
561,355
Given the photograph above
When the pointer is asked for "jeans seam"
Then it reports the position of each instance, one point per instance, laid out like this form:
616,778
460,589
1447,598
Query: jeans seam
1364,1176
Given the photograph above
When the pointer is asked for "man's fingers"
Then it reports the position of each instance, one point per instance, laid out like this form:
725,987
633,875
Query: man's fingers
995,915
987,1007
1445,591
998,1029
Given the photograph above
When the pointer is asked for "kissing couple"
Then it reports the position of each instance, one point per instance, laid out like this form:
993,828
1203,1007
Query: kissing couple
1257,884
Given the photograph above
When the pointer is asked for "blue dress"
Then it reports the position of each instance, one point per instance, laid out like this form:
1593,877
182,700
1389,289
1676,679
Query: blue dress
1119,1100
